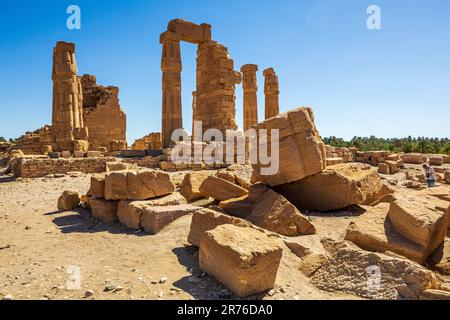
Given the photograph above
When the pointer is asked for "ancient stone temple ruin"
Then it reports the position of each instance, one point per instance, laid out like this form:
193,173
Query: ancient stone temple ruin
103,116
214,99
271,91
151,141
250,86
68,130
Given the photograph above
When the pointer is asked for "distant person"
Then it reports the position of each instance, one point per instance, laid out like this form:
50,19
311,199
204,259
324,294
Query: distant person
430,174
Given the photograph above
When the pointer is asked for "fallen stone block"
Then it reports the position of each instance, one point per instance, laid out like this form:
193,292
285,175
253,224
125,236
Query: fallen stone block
137,185
190,186
104,210
69,200
394,166
413,158
447,177
373,275
133,153
79,154
238,207
446,158
117,166
383,168
66,154
97,188
435,295
373,231
220,189
301,150
245,260
154,219
418,219
436,160
206,219
130,212
440,259
274,212
310,250
335,188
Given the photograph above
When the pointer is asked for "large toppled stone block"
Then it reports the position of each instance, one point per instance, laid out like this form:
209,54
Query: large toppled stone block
335,188
130,212
301,150
238,207
413,158
373,275
137,185
419,219
69,200
245,260
221,189
103,210
273,212
154,219
373,231
205,219
190,186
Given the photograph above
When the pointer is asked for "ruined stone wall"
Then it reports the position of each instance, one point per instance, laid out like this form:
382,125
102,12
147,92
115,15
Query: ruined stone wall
103,115
36,142
215,103
41,167
151,141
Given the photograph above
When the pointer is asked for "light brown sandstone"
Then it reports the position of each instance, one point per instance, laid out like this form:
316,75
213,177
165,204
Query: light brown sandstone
373,231
420,220
137,185
154,219
436,160
273,212
190,186
238,207
103,210
97,188
245,260
69,200
205,219
301,150
414,158
221,189
383,168
335,188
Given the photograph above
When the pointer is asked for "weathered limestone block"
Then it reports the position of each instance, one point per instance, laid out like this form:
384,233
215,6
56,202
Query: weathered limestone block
137,185
447,177
301,150
413,158
245,260
446,158
435,295
273,212
154,219
394,166
94,154
221,189
103,210
335,188
97,188
238,207
130,212
334,161
206,219
373,231
436,160
418,219
69,200
190,186
117,166
151,141
349,266
383,168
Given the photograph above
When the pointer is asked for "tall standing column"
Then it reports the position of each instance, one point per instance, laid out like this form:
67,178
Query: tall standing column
271,92
171,86
250,86
67,112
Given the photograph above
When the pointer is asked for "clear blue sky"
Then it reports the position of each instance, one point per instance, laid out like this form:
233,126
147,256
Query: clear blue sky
391,83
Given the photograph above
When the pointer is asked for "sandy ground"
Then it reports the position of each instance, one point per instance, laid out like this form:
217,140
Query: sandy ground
38,244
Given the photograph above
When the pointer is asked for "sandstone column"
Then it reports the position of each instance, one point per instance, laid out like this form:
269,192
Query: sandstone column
171,86
67,116
250,86
271,92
